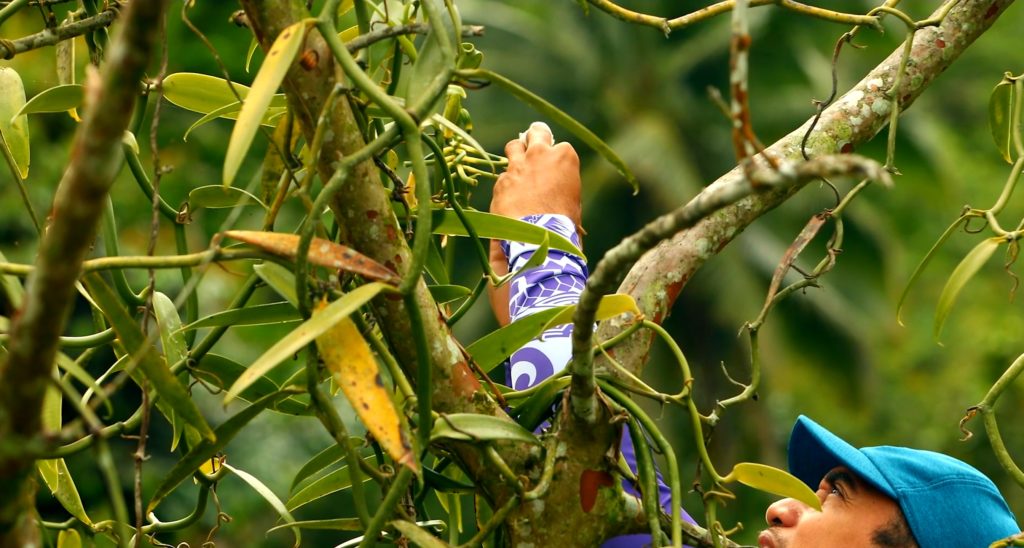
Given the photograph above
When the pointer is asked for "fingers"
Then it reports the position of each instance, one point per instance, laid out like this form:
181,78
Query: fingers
568,152
539,134
514,150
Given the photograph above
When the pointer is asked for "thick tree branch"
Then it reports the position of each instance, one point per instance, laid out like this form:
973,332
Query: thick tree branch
610,271
77,208
49,37
658,277
363,208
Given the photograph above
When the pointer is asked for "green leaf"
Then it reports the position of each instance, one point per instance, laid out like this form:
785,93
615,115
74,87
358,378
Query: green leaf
772,480
448,293
924,263
268,496
222,372
431,62
960,276
204,94
14,126
489,225
261,314
55,472
323,459
561,118
337,480
280,279
434,265
419,537
492,349
538,407
268,79
474,427
495,347
1001,105
206,448
305,334
539,256
151,364
55,99
338,524
441,482
167,319
253,46
219,197
221,112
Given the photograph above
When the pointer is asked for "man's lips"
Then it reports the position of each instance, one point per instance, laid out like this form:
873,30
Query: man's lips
766,539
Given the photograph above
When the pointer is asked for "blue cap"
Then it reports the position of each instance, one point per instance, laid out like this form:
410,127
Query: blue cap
947,502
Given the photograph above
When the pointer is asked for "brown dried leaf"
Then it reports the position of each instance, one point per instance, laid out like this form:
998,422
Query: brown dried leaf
321,253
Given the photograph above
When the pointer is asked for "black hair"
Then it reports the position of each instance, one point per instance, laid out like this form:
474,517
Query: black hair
894,534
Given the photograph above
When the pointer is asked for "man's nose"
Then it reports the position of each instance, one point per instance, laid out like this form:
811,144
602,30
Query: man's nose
785,513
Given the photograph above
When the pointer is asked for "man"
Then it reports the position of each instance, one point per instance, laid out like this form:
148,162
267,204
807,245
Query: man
876,496
541,185
885,497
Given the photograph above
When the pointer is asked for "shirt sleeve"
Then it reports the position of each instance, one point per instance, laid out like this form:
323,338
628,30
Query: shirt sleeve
558,281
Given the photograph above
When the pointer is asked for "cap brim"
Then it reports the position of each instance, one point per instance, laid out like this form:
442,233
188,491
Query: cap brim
813,451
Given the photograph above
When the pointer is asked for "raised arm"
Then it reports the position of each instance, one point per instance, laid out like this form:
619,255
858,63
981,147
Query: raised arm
541,179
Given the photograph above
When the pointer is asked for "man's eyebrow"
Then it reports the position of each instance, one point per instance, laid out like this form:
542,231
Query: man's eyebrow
843,477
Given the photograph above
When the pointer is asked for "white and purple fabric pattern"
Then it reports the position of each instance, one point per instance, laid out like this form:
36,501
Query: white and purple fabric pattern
558,281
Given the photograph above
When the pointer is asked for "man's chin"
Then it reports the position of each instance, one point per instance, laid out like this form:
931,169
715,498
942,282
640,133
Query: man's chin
769,539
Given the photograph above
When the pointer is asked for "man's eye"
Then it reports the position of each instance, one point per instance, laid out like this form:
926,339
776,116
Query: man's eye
836,491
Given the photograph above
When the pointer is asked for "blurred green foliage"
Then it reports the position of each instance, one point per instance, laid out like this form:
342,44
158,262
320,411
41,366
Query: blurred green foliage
834,353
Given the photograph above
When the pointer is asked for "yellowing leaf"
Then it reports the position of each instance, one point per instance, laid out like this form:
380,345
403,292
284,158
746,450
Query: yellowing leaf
211,465
14,127
349,33
348,357
304,334
69,538
772,480
321,253
410,191
611,306
268,79
959,278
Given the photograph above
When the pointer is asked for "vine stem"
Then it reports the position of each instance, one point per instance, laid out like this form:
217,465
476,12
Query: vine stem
988,413
667,25
386,507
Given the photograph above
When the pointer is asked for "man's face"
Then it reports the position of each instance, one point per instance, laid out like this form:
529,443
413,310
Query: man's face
851,512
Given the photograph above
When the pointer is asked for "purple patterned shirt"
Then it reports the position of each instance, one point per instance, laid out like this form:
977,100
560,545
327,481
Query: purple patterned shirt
558,281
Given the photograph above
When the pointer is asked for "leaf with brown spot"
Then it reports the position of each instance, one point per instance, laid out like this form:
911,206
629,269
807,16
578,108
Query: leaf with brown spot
348,357
321,253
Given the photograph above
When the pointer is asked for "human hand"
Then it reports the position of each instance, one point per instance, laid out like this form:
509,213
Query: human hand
541,178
